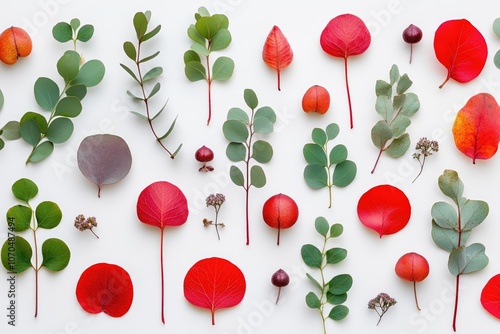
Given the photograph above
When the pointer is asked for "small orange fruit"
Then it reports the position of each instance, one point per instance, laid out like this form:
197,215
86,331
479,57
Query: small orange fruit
14,43
316,99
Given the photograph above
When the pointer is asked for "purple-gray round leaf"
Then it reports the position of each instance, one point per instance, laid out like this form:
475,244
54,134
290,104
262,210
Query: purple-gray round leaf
104,159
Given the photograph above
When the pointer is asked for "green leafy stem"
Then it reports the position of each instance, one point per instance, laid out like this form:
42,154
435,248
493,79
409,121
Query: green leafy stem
16,251
141,21
209,33
318,172
333,291
388,134
239,129
452,227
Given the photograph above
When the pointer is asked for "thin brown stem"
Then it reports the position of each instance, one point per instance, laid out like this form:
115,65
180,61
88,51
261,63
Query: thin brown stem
415,294
378,158
36,271
455,311
421,169
348,92
209,82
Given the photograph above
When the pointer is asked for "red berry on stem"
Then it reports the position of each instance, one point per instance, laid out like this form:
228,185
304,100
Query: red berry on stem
280,279
412,35
204,154
412,267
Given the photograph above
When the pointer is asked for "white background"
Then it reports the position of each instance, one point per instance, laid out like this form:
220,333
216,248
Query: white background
134,246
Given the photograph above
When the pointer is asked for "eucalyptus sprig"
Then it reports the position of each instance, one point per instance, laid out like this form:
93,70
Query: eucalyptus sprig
451,227
64,32
239,129
17,252
209,33
61,102
328,291
141,21
318,172
388,134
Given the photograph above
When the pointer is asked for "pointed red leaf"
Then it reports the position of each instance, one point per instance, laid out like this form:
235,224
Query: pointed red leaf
461,48
344,36
385,209
477,127
105,287
490,296
277,52
214,283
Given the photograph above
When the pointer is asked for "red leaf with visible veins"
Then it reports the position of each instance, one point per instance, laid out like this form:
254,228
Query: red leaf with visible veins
461,48
477,127
162,204
385,209
106,288
490,296
214,283
344,36
277,52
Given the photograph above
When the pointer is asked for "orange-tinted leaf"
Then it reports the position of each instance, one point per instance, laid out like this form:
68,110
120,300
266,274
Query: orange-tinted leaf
214,283
477,127
461,48
277,52
490,296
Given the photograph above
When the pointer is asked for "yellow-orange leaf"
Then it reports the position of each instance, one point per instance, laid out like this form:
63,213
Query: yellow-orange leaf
477,127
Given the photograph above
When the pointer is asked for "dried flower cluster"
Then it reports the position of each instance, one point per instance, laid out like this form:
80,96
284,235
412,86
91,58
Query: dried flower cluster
381,304
83,224
215,200
426,148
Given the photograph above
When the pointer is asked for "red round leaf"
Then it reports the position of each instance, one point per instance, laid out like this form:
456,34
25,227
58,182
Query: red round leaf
105,287
385,209
477,127
345,35
280,211
214,283
461,48
162,204
277,52
490,296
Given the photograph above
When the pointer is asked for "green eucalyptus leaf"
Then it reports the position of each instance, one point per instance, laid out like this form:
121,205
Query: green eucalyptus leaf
399,125
148,58
236,152
130,50
140,24
235,131
496,59
266,112
78,91
236,176
60,130
30,132
447,239
91,73
222,69
398,102
133,96
410,105
223,20
2,100
344,173
46,93
152,73
444,215
473,213
75,23
48,215
383,88
16,254
191,55
336,230
85,33
170,129
55,254
195,36
24,189
151,34
68,65
451,185
262,125
2,142
257,177
319,136
62,32
195,71
398,146
312,301
314,154
238,114
201,49
221,40
316,176
338,312
383,106
380,134
321,225
496,26
311,256
262,151
314,281
156,89
202,11
130,72
340,284
250,98
39,120
336,299
41,152
68,106
335,255
338,154
208,26
403,84
11,130
21,216
394,74
464,260
332,131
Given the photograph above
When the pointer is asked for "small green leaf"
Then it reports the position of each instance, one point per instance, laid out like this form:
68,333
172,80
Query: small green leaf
316,176
257,177
222,69
311,256
403,84
22,254
140,24
68,65
344,173
236,152
444,215
383,88
69,106
202,11
91,73
48,215
338,312
496,59
151,34
133,96
148,58
496,26
312,301
238,114
335,255
2,142
473,213
262,125
398,102
464,260
266,112
235,131
21,216
39,120
262,151
221,40
338,154
24,189
55,254
85,33
398,146
141,116
451,185
195,71
321,225
332,131
130,72
250,98
410,105
195,35
60,130
314,281
152,73
62,32
30,132
336,230
41,152
381,133
2,100
236,176
170,129
314,154
46,93
11,130
447,239
383,106
336,299
201,49
319,136
394,74
75,23
399,125
223,20
130,50
340,284
156,89
208,26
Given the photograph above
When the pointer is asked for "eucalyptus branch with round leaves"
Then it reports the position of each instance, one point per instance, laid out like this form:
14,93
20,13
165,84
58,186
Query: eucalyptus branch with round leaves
209,33
240,130
141,21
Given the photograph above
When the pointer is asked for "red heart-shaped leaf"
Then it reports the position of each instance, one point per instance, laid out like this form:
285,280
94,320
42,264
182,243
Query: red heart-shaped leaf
277,52
490,296
214,283
385,209
461,48
105,287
